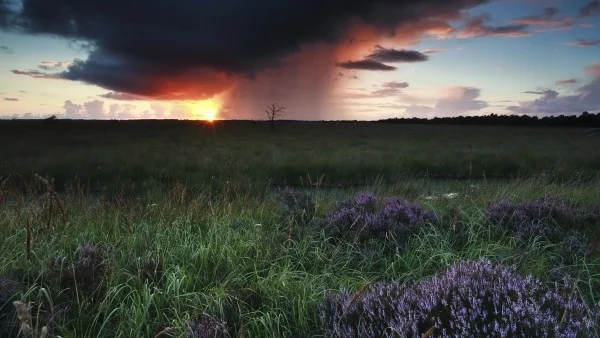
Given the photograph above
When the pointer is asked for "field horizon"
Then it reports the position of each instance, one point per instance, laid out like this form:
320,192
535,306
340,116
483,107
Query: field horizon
192,229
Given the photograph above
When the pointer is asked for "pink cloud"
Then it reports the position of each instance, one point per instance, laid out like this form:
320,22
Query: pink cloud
594,69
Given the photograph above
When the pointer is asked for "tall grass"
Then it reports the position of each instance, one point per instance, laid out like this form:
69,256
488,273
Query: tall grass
190,226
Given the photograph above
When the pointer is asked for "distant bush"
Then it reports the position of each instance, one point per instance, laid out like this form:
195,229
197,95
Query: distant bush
51,119
471,299
542,217
367,216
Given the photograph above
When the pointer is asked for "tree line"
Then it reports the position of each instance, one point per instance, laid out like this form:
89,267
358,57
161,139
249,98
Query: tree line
585,119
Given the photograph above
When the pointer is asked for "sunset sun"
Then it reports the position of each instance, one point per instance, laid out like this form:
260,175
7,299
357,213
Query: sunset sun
206,110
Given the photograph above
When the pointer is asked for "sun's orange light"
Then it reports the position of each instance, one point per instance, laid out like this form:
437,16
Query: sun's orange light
207,110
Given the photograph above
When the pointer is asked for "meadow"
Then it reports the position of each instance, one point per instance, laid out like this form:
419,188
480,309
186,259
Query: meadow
337,229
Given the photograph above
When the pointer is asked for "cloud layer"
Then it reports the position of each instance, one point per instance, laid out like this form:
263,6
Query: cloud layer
456,101
195,49
584,98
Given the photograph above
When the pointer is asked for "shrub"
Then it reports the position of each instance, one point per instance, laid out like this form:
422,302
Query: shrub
367,216
471,299
542,217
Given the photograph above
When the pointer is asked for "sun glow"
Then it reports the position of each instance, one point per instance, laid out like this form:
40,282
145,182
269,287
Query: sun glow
207,110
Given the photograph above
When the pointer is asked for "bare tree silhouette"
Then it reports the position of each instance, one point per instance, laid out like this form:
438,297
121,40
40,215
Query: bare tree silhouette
274,111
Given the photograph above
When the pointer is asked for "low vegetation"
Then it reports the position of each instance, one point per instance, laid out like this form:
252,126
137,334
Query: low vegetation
173,229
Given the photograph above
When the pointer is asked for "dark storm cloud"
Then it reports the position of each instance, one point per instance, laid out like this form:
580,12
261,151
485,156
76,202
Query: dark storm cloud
365,65
374,61
396,55
54,65
590,9
137,45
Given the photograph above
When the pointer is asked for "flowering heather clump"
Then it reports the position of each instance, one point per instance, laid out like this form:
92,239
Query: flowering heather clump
90,269
368,215
86,275
472,299
8,289
542,217
8,326
299,206
208,327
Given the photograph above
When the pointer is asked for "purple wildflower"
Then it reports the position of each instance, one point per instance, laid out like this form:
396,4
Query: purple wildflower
8,291
542,217
87,274
471,299
208,327
368,215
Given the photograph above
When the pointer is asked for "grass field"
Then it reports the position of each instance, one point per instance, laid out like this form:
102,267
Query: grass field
182,229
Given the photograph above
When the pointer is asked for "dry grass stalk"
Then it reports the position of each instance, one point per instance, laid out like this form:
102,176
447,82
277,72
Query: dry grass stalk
28,238
179,193
290,227
165,331
455,214
470,161
2,184
44,332
355,297
594,246
52,198
24,317
428,333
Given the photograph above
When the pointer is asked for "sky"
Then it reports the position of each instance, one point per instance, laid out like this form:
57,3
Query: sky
320,59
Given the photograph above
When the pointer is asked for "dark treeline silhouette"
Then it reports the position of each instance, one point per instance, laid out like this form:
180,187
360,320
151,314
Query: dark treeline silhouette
584,120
